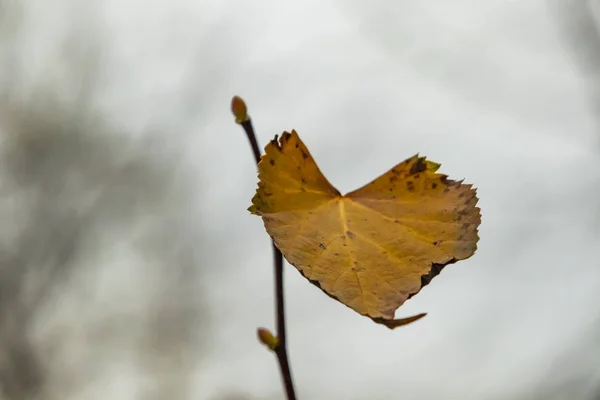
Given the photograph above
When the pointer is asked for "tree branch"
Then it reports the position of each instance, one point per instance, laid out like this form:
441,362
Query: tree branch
239,110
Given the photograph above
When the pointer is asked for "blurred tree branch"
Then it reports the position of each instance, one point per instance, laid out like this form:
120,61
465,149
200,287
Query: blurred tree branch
66,178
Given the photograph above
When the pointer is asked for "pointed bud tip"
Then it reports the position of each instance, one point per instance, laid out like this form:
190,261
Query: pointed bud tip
239,110
267,338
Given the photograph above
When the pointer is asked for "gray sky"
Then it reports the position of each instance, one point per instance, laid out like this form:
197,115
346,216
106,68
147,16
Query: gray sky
495,91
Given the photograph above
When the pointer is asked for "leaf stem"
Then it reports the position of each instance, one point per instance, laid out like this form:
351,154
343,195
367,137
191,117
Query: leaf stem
281,349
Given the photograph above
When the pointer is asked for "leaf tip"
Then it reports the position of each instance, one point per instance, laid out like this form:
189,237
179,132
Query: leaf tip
239,109
267,338
432,166
395,323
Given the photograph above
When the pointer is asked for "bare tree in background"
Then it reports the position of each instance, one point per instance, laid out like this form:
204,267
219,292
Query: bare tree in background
579,23
69,186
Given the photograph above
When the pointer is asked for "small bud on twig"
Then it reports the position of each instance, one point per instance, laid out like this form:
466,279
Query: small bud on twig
266,337
238,108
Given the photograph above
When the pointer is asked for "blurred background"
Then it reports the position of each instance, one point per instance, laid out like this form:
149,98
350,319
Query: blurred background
131,269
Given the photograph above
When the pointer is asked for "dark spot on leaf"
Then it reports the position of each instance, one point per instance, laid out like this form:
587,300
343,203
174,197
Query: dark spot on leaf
393,179
351,235
304,155
459,218
417,176
395,171
296,144
465,226
436,242
446,190
461,195
302,180
268,194
410,185
272,162
433,185
321,245
336,254
275,143
418,166
435,271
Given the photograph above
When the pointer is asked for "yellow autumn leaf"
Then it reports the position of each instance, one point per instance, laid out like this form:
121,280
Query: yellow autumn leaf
372,248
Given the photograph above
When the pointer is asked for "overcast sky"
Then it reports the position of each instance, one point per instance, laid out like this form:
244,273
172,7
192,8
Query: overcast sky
501,93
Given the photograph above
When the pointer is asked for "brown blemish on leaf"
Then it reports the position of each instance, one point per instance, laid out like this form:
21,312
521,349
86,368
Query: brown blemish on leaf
272,162
435,271
418,166
350,235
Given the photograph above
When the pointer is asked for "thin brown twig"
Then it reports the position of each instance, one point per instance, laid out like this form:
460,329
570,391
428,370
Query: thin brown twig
281,348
